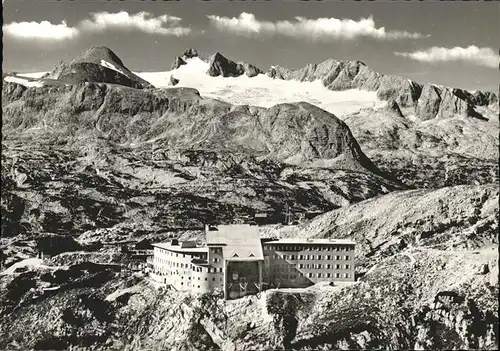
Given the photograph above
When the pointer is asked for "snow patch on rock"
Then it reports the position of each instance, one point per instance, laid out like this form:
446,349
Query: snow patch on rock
23,81
110,66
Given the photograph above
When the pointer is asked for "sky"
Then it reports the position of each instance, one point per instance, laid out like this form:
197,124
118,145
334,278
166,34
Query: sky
453,43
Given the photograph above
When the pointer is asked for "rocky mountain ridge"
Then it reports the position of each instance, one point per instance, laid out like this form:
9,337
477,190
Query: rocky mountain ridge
428,100
96,64
178,117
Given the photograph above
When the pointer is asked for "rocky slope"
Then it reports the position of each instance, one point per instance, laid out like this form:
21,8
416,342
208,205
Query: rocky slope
451,218
433,153
97,64
432,294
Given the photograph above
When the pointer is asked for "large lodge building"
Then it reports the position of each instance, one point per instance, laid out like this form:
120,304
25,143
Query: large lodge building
237,261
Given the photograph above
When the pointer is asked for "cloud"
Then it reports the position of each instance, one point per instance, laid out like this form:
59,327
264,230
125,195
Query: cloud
142,21
472,54
41,31
98,22
320,28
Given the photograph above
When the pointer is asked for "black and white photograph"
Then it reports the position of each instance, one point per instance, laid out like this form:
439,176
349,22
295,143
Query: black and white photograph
259,175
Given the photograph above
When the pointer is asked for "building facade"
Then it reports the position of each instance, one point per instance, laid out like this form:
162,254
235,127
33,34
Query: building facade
236,260
300,263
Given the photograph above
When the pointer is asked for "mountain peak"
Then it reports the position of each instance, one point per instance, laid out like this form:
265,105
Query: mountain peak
97,64
219,65
190,53
96,54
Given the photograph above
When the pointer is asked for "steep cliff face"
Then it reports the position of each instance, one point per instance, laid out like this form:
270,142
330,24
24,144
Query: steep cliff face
97,64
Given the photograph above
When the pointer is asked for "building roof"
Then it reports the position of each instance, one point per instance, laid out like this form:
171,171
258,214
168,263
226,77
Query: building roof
179,248
239,242
298,241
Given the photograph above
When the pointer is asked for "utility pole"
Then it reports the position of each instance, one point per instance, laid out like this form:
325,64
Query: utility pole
288,214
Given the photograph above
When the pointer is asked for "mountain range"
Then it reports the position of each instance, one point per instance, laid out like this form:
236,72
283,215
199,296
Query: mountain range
95,156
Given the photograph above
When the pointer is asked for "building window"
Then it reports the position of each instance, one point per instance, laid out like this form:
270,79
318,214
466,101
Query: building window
319,257
319,275
337,275
213,279
346,266
337,266
328,257
328,275
309,275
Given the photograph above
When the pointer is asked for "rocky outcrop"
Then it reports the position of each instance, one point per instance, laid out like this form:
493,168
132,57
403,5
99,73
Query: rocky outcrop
221,66
451,105
392,107
484,98
173,81
404,91
178,61
190,53
249,69
429,103
12,92
99,65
